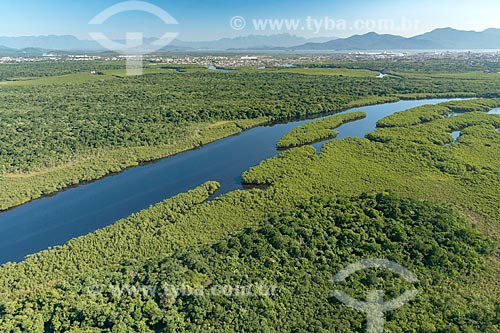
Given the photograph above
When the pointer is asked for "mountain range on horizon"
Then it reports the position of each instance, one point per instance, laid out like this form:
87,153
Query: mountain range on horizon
72,43
438,39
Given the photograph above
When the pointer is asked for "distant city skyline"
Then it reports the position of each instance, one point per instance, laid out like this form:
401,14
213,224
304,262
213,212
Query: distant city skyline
210,19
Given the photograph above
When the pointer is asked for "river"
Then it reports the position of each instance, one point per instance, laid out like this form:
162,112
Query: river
54,220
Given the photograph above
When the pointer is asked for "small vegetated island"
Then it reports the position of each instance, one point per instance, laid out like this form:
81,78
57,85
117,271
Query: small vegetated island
317,130
406,192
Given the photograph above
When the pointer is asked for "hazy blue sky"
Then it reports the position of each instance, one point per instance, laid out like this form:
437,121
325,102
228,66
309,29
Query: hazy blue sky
209,19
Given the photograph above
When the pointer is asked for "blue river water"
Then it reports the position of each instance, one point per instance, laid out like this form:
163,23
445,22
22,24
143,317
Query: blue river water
54,220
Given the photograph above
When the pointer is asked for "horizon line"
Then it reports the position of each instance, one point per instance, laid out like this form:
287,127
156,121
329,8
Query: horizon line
89,39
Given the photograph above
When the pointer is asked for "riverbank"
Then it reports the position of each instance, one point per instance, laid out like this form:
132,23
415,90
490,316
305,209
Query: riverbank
55,220
19,189
266,235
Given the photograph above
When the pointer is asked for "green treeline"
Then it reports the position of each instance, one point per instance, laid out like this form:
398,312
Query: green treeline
48,126
318,130
430,67
32,70
474,105
428,113
419,124
58,133
141,235
45,126
295,255
418,160
415,116
18,189
435,133
319,214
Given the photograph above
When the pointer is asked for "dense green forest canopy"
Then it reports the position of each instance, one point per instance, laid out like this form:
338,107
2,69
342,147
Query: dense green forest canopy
61,125
296,255
44,126
425,65
31,70
427,113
